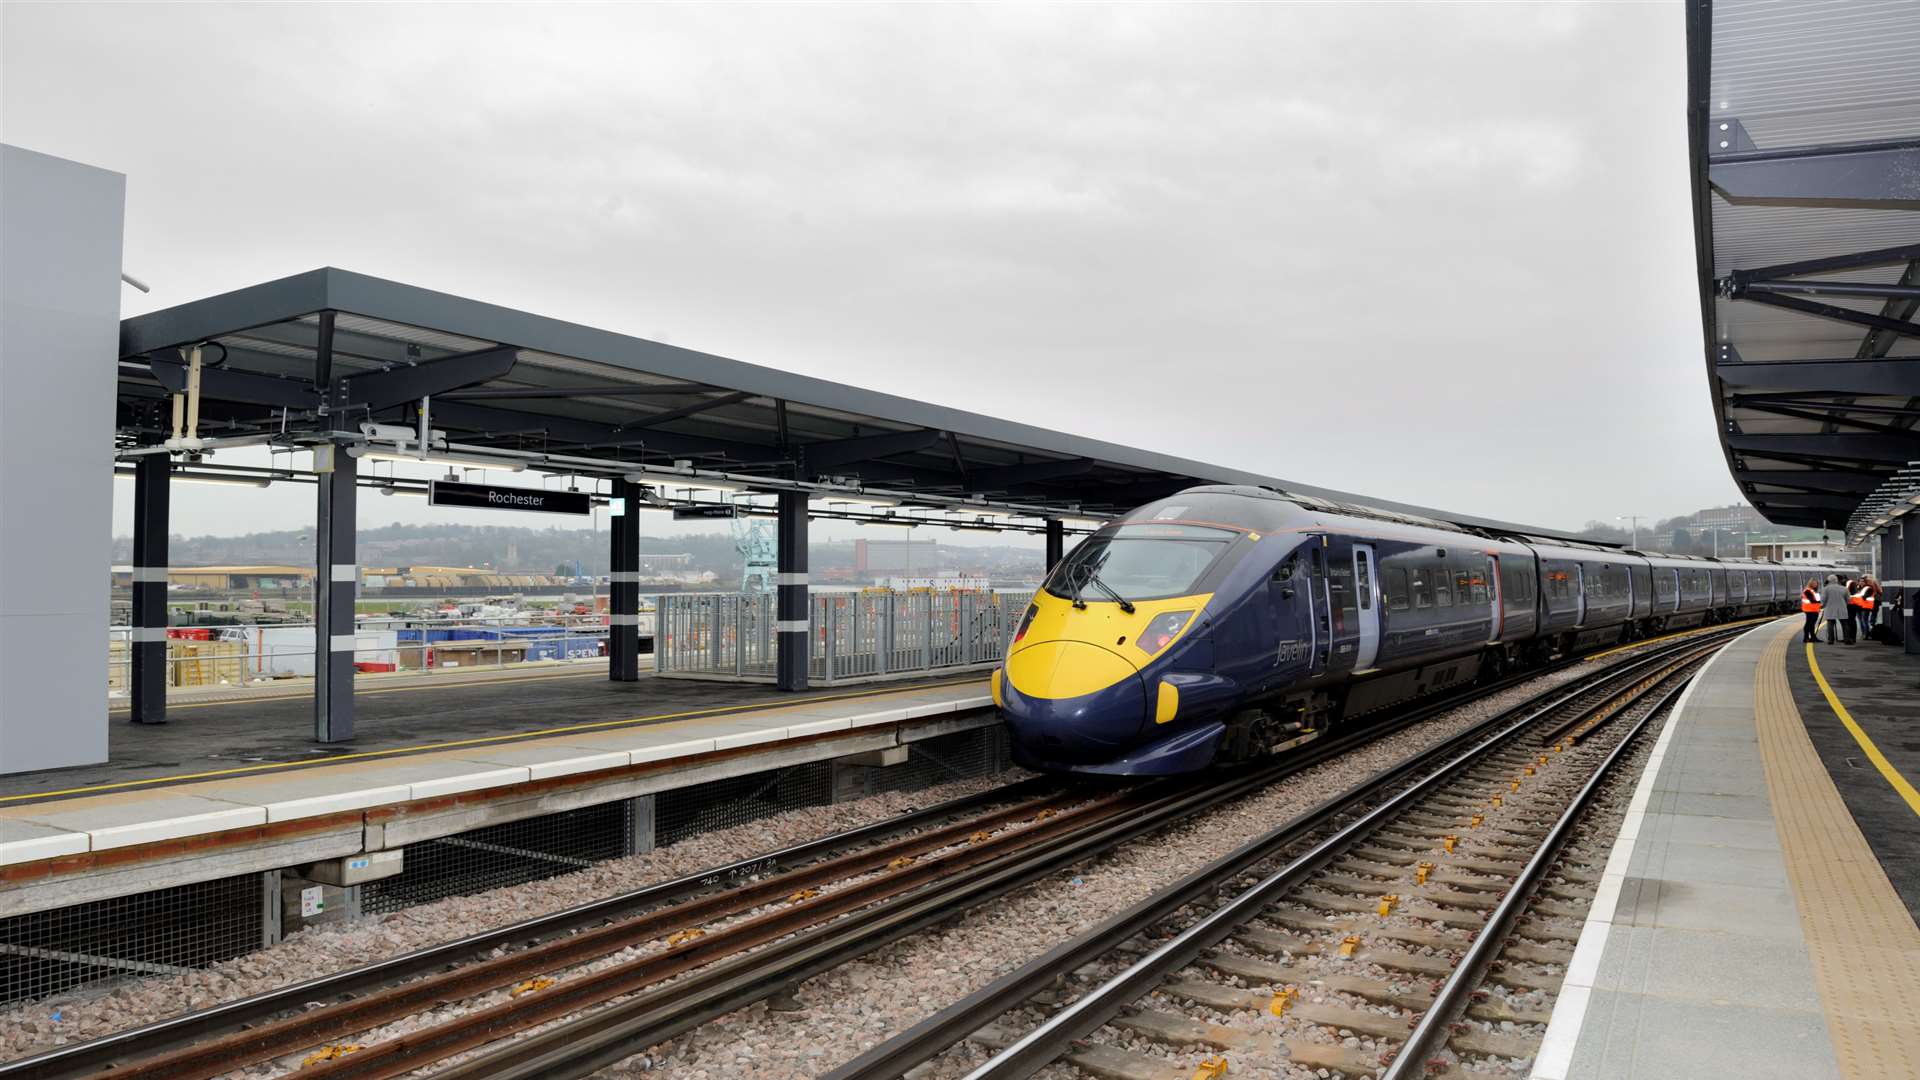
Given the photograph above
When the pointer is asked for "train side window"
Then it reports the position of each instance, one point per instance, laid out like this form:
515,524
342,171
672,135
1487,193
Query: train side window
1422,588
1284,572
1395,580
1463,587
1442,586
1363,582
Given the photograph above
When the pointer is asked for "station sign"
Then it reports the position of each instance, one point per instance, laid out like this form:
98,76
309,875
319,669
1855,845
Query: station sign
491,497
700,513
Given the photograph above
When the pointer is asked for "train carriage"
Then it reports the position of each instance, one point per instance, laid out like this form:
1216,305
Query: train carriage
1227,622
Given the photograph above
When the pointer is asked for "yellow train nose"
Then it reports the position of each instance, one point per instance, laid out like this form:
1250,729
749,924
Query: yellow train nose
1065,669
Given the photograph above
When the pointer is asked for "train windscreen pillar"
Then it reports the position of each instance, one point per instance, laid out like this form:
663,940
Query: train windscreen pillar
623,591
336,581
1056,542
790,600
147,643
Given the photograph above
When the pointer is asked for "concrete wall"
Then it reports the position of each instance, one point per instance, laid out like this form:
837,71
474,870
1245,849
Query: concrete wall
60,233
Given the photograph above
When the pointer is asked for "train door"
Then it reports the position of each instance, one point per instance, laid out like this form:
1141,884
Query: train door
1322,605
1366,588
1579,594
1495,593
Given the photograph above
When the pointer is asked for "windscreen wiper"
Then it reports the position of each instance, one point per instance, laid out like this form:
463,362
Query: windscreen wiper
1125,604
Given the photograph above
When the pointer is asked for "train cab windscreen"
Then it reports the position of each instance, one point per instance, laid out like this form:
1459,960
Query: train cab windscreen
1140,562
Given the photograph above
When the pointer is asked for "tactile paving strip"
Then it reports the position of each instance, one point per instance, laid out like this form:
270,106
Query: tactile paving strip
1864,945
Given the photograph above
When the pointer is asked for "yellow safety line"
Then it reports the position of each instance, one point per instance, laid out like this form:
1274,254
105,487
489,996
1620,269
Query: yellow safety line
479,741
1682,633
1874,755
448,682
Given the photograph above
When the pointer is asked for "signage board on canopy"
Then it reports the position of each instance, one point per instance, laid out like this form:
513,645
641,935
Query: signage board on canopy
694,513
490,497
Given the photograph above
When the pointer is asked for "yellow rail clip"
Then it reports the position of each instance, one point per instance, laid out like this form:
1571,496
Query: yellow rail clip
1477,819
980,837
1516,785
1420,873
902,862
1044,814
681,937
1543,759
329,1052
803,894
1282,1000
1387,902
1448,842
1529,770
1495,800
531,985
1348,944
1211,1069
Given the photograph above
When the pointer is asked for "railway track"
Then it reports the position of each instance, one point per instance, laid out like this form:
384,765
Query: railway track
633,970
1418,919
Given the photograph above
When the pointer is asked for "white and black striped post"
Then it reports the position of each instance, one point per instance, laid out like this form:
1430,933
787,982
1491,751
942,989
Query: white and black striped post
148,647
623,591
790,600
336,586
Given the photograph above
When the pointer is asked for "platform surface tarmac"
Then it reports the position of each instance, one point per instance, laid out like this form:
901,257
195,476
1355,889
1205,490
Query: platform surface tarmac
238,738
1743,927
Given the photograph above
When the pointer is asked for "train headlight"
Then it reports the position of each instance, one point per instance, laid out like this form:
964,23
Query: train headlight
1026,622
1161,631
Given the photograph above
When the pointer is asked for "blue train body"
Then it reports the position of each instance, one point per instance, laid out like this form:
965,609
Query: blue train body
1228,622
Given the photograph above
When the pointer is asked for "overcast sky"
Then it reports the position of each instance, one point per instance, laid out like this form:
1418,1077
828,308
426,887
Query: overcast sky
1437,254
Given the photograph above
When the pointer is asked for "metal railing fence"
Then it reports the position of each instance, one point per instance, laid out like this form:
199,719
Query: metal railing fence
851,636
242,654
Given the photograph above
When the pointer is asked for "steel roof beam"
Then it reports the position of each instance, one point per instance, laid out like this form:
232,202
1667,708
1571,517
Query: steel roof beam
1890,449
1886,172
1836,414
1834,288
1809,480
490,419
1830,263
827,457
1805,501
1829,311
384,389
1873,377
490,393
219,383
1005,476
685,411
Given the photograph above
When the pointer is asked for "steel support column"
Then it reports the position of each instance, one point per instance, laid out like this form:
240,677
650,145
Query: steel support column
790,578
1909,593
623,609
148,644
336,585
1056,542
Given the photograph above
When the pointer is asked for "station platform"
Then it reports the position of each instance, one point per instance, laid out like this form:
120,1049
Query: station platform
1756,916
234,787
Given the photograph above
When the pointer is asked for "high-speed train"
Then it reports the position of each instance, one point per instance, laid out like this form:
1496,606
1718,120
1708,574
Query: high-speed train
1227,622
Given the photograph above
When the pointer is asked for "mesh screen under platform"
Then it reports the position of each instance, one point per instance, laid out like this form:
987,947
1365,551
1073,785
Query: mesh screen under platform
166,931
962,755
499,855
722,804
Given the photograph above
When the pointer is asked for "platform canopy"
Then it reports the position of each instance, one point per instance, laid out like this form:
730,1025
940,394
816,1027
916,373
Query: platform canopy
318,356
1805,121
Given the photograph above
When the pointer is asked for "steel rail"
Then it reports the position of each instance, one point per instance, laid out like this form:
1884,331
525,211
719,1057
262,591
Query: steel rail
1431,1031
932,1036
157,1039
190,1027
598,1040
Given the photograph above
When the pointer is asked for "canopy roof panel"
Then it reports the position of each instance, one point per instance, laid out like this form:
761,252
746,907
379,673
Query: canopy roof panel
514,382
1805,120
